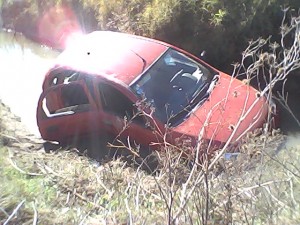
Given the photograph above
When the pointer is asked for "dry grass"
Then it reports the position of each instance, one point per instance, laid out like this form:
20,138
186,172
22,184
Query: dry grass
62,187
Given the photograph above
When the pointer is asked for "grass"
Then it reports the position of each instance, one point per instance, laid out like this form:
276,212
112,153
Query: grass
71,187
63,187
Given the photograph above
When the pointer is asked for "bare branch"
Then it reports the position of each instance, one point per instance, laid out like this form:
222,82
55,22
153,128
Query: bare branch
14,212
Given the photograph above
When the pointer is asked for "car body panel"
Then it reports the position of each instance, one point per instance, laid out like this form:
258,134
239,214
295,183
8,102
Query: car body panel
230,99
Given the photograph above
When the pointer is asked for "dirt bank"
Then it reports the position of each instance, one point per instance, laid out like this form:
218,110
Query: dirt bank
14,133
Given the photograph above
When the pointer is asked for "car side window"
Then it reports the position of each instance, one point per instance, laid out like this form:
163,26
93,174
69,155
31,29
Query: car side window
73,94
113,101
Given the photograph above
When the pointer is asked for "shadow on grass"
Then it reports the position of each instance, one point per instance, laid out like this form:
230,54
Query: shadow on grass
106,149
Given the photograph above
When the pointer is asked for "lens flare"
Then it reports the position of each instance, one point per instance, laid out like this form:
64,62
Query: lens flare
72,39
57,25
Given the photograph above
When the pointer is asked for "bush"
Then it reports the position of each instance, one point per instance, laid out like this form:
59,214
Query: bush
221,27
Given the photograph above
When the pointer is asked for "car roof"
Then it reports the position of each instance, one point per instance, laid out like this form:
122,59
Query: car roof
117,55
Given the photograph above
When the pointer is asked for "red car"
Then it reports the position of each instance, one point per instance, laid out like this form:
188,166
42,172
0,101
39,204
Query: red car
121,85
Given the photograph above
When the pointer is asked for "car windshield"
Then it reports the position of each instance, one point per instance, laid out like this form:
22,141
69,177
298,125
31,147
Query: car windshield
174,85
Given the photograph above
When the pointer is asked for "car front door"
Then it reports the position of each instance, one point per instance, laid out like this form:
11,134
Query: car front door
123,117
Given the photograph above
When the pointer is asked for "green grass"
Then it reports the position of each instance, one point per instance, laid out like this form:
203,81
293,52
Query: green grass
16,187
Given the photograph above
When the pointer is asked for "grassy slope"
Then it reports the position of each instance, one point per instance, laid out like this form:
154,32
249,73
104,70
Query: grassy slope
65,188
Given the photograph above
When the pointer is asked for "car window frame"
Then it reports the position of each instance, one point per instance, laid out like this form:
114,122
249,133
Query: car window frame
124,91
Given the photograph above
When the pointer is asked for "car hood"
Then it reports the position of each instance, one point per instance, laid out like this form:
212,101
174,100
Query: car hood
232,109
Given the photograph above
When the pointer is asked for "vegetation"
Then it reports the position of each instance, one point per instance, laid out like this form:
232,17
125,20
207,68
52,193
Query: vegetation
261,185
63,187
220,27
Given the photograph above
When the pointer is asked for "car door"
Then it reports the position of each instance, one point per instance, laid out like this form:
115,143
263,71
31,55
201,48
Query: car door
123,118
66,112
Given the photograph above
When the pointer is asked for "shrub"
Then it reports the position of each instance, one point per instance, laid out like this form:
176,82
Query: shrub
221,27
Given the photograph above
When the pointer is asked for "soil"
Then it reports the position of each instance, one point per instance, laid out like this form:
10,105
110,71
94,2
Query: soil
14,133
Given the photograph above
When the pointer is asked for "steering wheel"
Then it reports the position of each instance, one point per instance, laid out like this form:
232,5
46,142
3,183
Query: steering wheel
183,81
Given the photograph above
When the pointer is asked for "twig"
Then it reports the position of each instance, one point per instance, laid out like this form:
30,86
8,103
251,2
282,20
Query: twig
22,171
267,188
283,102
207,198
283,165
35,218
292,192
84,218
2,210
243,190
68,198
14,212
50,170
102,184
81,197
9,137
128,210
137,202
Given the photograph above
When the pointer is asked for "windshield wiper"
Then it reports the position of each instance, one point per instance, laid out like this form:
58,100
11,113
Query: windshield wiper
143,60
207,87
197,100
